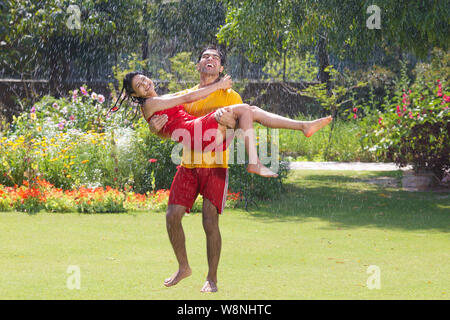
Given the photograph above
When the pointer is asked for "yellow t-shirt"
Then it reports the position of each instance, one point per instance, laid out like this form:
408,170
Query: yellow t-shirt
216,100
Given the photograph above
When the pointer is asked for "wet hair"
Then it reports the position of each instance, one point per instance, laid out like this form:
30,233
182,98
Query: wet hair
220,51
128,89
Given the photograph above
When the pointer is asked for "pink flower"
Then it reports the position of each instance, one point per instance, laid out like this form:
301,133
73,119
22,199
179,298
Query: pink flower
380,121
71,118
94,96
83,91
446,98
152,160
355,110
410,115
61,125
355,116
101,98
33,109
55,105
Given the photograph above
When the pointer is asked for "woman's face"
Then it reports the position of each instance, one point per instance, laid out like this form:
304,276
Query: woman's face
143,87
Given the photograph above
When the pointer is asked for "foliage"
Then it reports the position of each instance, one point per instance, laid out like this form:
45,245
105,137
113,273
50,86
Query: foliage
268,28
415,128
181,72
293,68
38,32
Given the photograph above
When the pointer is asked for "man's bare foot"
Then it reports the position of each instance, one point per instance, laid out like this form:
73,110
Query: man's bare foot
209,286
177,277
313,126
261,170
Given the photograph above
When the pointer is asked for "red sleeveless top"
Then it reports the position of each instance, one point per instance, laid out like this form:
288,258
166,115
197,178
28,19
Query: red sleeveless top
195,132
176,119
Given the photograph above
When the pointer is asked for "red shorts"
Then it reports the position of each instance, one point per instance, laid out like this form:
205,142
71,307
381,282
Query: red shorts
211,183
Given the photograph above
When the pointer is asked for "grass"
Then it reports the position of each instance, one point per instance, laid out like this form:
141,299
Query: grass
316,242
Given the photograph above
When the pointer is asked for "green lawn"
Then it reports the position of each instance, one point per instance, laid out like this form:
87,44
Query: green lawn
315,243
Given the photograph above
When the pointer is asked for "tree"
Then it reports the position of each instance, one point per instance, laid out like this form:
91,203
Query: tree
269,28
52,35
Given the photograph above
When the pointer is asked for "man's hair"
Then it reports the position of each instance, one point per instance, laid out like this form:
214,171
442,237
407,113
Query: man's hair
219,50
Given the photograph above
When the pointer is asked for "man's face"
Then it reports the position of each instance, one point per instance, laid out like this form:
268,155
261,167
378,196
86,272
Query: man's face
210,63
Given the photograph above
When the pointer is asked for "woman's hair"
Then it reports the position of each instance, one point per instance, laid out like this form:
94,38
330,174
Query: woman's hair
128,88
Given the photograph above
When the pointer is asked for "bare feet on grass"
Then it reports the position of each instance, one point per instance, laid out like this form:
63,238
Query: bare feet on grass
261,170
177,277
209,286
313,126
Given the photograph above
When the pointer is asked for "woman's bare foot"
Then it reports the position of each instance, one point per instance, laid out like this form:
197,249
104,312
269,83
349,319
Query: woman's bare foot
177,277
313,126
209,286
261,170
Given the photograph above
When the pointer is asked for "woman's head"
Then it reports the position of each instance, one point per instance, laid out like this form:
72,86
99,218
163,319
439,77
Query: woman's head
137,85
137,88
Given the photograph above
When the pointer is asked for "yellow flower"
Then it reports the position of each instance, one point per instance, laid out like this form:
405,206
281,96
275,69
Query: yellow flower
85,161
33,116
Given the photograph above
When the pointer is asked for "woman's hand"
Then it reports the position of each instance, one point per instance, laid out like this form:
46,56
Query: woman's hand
225,83
225,117
157,122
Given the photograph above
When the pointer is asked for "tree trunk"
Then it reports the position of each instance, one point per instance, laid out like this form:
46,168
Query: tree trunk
324,76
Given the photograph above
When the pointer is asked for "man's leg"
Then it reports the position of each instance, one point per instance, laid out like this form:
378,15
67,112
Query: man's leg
213,244
176,235
182,196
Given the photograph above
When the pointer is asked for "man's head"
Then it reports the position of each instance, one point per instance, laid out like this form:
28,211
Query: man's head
211,61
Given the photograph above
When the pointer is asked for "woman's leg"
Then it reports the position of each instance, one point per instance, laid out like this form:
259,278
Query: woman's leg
272,120
245,119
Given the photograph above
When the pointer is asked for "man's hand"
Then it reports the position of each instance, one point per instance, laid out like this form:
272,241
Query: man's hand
226,117
157,122
225,83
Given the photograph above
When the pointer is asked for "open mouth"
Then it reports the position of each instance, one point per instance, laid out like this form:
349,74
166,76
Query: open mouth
209,65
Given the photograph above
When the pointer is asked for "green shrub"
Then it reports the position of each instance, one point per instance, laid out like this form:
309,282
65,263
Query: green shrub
415,128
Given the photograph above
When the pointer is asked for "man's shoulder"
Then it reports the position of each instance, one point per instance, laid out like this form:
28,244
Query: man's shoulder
233,96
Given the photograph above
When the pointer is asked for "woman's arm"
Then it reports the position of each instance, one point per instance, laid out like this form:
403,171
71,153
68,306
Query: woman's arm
155,104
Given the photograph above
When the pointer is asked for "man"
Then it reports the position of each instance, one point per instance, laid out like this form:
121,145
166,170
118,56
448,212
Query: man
201,173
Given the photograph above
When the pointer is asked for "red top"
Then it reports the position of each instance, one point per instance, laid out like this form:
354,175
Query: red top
198,132
176,119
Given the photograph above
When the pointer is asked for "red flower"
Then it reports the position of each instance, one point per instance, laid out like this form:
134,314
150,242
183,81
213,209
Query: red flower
380,121
152,160
355,110
355,116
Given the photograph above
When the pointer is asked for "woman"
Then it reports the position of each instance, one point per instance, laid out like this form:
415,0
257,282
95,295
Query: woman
181,125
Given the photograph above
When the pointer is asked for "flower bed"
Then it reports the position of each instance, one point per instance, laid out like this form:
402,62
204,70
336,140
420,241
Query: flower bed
31,197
